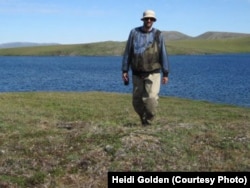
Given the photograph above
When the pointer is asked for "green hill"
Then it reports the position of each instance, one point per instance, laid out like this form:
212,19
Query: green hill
177,43
95,49
211,46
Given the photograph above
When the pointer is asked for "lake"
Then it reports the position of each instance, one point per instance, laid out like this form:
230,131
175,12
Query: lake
213,78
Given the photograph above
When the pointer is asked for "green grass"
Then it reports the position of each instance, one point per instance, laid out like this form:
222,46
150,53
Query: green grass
72,139
216,46
91,49
109,48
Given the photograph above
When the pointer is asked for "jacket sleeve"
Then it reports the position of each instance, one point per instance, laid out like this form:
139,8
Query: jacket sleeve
126,55
163,56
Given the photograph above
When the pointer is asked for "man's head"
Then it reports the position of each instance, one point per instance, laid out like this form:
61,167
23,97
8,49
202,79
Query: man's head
148,18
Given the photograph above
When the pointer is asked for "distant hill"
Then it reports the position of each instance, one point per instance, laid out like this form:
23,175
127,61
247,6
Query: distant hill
175,35
177,43
25,44
221,35
169,36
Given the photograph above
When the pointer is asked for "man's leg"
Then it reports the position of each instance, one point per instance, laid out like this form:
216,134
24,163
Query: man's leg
138,91
151,95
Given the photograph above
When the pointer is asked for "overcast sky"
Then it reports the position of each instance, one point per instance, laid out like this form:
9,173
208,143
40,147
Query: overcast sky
84,21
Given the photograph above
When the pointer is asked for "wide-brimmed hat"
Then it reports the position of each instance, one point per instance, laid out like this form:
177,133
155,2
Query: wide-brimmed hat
149,14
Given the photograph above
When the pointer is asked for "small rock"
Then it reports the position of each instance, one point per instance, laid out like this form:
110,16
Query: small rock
109,148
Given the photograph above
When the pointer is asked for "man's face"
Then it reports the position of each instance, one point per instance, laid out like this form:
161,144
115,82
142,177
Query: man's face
148,22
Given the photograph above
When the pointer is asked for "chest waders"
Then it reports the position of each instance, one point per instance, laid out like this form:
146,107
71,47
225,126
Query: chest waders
148,61
146,82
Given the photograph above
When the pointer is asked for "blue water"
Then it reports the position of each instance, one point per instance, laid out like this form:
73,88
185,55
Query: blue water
213,78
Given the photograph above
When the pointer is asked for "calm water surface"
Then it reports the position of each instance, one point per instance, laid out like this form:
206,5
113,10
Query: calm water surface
214,78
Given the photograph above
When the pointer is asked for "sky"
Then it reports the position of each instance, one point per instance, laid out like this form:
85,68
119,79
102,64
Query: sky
87,21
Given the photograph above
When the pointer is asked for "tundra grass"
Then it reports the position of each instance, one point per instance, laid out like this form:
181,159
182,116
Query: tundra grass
215,46
54,139
111,48
90,49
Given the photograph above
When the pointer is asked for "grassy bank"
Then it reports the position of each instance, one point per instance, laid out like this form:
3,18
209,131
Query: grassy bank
73,139
215,46
109,48
91,49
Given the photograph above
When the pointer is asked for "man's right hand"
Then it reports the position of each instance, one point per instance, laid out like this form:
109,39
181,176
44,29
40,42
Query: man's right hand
125,78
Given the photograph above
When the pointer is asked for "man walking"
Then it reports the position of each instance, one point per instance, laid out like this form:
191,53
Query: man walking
146,55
